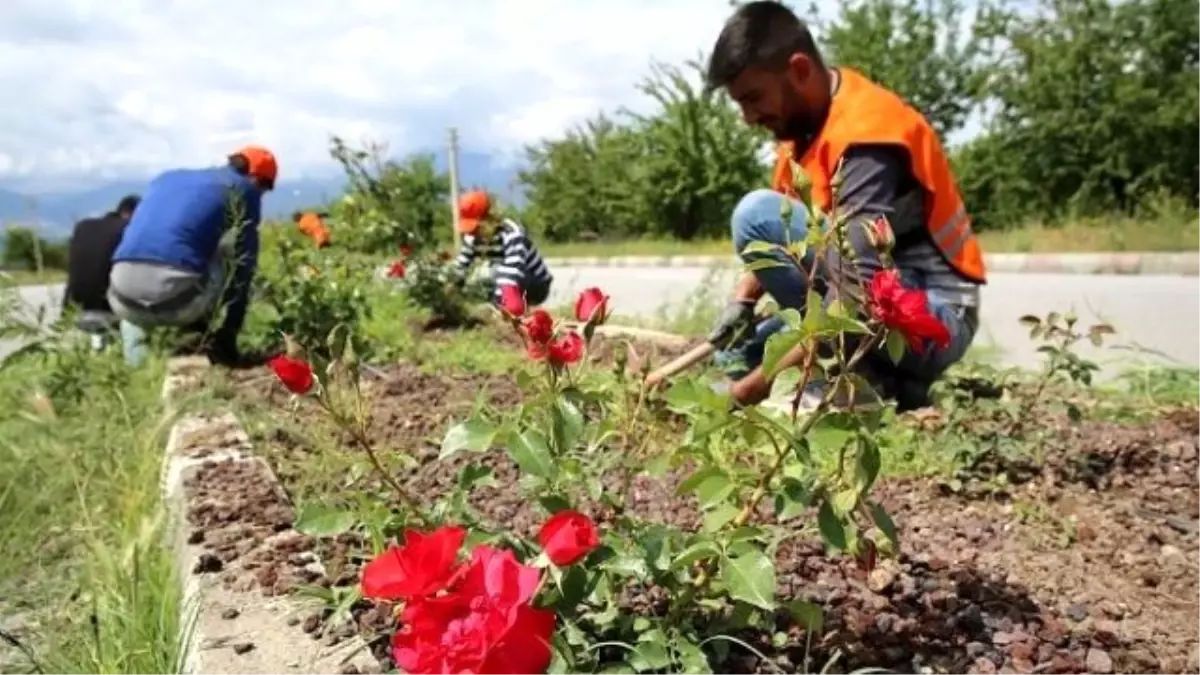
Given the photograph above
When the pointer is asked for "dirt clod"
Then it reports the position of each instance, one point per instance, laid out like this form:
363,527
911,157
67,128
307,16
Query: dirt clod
231,613
242,647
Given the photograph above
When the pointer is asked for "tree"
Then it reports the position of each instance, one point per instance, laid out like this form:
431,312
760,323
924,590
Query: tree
1095,106
585,183
677,171
390,203
700,157
913,47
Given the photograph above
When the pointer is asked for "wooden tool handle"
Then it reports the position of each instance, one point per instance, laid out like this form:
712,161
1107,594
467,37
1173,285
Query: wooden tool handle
691,358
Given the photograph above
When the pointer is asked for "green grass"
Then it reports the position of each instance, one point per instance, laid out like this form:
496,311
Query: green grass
1170,232
82,560
32,277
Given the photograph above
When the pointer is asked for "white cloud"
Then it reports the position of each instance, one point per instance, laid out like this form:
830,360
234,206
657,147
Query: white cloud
110,88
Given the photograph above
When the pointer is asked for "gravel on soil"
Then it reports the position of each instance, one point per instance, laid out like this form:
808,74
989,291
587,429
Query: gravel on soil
1087,566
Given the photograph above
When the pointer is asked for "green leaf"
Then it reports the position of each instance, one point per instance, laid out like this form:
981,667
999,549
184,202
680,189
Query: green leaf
814,313
650,656
701,550
719,517
699,476
833,431
713,490
869,463
791,317
759,246
474,475
531,453
845,501
778,345
792,498
884,522
568,425
831,527
553,503
658,465
838,319
750,578
319,520
474,435
809,615
896,345
691,658
786,382
762,264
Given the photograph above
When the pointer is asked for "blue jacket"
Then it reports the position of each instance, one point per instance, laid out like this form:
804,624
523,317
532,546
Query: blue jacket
181,218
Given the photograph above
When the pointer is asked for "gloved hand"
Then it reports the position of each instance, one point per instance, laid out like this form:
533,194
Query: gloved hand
733,323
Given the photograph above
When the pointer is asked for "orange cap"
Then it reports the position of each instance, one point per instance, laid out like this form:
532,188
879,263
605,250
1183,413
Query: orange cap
473,207
262,163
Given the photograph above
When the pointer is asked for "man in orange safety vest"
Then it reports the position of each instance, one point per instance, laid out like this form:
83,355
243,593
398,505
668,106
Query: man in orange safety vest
834,120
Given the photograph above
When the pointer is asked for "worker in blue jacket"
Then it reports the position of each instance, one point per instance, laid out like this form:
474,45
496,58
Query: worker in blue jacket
190,249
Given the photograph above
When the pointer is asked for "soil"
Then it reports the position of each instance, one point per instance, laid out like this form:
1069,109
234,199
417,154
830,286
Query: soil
1087,565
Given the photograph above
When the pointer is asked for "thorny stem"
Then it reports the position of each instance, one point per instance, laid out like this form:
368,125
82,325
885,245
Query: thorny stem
357,429
704,575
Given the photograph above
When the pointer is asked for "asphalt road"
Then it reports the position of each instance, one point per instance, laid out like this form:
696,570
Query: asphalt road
1156,313
1159,313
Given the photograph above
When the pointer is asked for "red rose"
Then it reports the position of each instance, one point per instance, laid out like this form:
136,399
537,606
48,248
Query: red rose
485,624
396,271
566,349
424,565
512,301
905,310
567,537
405,251
295,374
539,325
591,305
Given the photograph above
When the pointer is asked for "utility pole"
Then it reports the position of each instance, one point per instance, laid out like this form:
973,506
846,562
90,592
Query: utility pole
453,165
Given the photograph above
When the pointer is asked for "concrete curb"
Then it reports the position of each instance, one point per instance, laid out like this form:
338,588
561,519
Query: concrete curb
232,629
1174,264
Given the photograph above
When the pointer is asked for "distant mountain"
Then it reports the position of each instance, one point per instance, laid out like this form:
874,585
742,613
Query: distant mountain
54,213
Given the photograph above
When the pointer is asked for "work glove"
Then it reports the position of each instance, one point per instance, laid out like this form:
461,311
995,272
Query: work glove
733,324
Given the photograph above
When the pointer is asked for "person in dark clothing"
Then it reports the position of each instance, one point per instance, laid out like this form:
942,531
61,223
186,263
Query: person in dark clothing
89,263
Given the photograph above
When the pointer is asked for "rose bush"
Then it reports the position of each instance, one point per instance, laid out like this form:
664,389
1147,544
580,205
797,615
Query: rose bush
532,601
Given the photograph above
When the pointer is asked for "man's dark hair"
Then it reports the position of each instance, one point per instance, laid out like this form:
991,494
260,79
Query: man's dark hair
128,203
296,216
762,34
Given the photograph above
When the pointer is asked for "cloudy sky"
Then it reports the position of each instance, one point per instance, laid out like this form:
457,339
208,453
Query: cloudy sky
106,89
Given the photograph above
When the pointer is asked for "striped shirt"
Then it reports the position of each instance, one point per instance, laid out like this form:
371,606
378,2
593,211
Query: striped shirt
513,258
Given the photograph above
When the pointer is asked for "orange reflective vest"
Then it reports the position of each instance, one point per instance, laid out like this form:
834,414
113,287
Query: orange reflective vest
311,225
863,113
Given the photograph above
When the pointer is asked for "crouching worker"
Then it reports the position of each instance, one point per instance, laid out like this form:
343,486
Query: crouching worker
89,263
519,275
895,180
191,249
312,225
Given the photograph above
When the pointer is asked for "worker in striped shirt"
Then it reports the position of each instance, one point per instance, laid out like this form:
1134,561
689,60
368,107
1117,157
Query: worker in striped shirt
513,259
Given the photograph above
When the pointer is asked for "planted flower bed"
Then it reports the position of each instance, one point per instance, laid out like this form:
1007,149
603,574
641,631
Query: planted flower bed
1081,563
564,517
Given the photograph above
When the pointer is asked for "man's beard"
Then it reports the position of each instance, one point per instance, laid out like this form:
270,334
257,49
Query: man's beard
803,124
802,127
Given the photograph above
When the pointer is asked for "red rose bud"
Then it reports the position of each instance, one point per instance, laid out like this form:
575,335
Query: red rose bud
592,305
880,234
512,301
568,537
396,271
566,349
295,374
539,326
